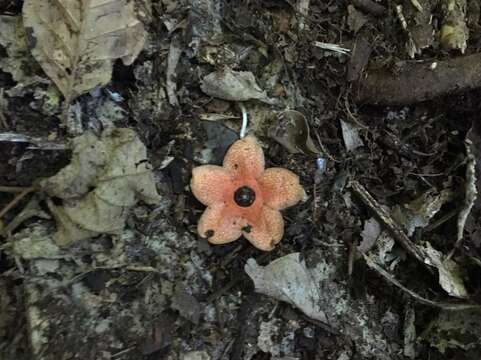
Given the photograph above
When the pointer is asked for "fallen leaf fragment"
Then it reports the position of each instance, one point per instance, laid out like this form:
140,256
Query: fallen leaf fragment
320,293
449,272
105,178
454,329
76,41
288,279
233,85
291,130
350,134
18,61
454,33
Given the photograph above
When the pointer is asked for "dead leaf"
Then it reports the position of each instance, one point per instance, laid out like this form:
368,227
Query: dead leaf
318,291
233,85
454,329
292,131
355,19
369,235
288,279
18,61
104,179
449,272
419,212
350,134
76,41
454,33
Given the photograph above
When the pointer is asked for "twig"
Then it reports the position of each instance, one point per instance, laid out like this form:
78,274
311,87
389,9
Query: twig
16,200
394,229
443,305
32,209
12,189
123,352
416,81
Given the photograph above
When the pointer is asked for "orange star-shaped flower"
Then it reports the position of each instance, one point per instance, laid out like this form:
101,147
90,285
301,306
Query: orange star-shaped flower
243,198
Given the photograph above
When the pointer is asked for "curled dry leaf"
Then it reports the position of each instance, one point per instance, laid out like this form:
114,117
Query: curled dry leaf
450,277
233,85
104,179
292,131
76,41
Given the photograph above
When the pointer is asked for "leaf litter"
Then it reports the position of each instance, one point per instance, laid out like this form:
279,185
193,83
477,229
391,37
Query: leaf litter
105,178
135,282
76,42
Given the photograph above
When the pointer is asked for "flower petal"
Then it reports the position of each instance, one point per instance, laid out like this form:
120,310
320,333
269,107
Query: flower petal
280,188
210,183
219,225
245,156
267,231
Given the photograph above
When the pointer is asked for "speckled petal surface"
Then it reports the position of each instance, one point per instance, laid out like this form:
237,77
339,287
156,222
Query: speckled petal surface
245,156
280,188
210,183
267,231
219,225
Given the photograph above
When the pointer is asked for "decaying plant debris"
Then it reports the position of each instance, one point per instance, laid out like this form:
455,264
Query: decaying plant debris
106,106
76,42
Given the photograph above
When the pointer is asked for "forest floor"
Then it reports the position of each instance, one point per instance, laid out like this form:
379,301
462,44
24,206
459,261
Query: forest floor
374,104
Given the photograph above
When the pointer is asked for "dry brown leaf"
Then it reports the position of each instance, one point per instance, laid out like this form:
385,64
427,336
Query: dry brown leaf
76,41
105,178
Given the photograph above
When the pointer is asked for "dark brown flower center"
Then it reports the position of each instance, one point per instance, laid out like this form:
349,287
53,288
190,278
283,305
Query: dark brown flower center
244,196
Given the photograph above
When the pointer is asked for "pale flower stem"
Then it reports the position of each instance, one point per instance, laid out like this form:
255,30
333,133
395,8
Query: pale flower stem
244,121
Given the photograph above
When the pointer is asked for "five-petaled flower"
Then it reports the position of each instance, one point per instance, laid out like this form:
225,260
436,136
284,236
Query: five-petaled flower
243,198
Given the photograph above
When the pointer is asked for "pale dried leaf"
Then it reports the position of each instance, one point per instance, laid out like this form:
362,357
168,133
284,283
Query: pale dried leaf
454,33
291,130
369,235
449,272
318,291
288,279
104,179
350,134
18,61
76,41
419,212
233,85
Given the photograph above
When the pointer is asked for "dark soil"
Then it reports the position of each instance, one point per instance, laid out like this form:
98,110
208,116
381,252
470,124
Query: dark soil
198,296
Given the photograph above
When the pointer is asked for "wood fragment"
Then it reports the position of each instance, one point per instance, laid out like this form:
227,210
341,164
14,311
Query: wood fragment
16,200
414,81
370,7
393,228
443,305
359,59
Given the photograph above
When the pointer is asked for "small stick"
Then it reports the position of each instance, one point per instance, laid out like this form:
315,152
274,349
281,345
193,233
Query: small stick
16,200
443,305
394,229
12,189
